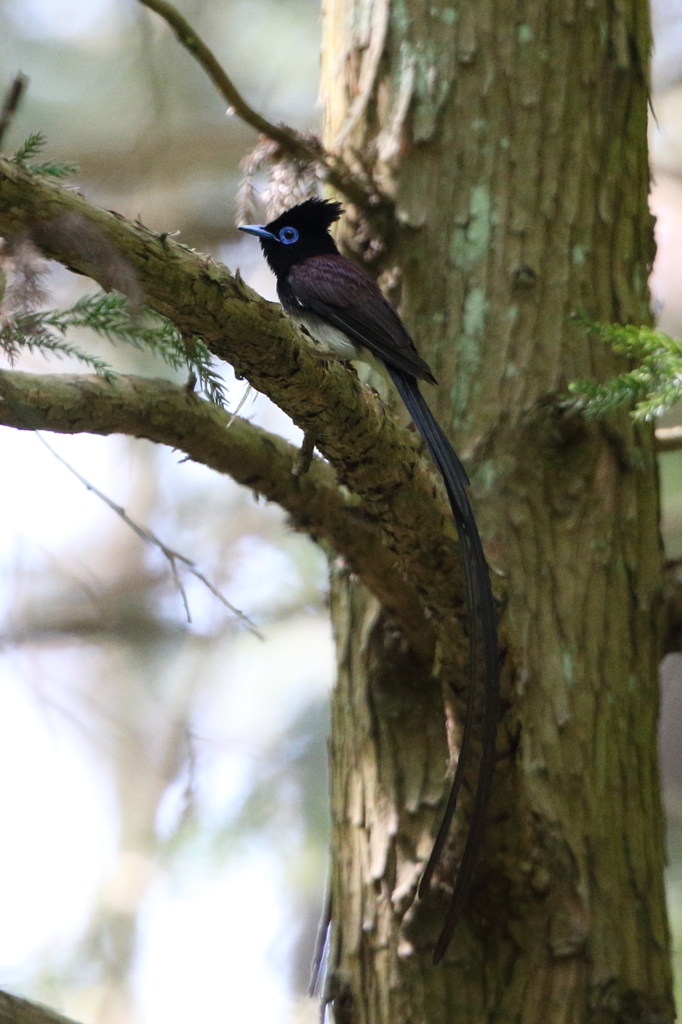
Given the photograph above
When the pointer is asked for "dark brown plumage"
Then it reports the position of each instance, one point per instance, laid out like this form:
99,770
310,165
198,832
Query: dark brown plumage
347,297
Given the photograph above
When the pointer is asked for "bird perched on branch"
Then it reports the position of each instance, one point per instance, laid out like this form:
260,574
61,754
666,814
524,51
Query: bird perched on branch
343,310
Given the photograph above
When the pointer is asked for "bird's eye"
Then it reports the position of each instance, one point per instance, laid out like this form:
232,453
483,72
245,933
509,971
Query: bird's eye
288,236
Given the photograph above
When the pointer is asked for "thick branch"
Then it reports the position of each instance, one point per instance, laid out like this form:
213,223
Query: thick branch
373,455
335,171
169,414
668,439
14,1010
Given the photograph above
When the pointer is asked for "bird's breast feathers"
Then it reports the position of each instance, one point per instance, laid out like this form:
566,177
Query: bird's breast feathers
326,338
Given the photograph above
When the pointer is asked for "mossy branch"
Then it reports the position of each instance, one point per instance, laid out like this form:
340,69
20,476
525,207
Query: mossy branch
14,1010
168,414
376,458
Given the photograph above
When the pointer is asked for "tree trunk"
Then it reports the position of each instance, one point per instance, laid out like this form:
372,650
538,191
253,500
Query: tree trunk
513,139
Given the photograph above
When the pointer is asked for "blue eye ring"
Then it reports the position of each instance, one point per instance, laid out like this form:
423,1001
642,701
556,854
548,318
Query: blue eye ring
288,236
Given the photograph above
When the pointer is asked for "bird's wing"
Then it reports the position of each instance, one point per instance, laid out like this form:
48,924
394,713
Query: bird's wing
346,296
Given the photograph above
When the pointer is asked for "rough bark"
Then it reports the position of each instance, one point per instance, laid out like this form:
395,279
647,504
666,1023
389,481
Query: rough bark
513,139
513,143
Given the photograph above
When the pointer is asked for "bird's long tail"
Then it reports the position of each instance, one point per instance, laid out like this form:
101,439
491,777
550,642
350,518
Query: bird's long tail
481,611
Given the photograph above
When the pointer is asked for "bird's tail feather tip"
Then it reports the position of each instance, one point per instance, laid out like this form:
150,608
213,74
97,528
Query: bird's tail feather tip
483,614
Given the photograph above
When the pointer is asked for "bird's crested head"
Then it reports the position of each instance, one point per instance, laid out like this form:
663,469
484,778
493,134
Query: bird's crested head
298,233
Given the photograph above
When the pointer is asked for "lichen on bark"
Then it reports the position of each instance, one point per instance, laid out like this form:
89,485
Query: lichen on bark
514,142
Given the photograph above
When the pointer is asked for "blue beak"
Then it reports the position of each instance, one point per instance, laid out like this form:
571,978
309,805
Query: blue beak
258,230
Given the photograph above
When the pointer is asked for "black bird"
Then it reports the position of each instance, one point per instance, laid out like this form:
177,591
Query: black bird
343,310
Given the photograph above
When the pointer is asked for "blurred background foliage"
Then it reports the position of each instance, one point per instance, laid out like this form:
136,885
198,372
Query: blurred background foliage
162,782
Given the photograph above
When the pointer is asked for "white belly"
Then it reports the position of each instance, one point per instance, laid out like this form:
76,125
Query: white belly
327,339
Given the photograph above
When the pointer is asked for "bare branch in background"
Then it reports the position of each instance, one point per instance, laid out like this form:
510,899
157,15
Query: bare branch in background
304,148
167,414
150,538
668,439
11,103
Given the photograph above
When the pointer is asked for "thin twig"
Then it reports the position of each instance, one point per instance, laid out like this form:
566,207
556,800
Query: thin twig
321,939
190,40
668,439
150,538
236,412
305,455
291,142
10,105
